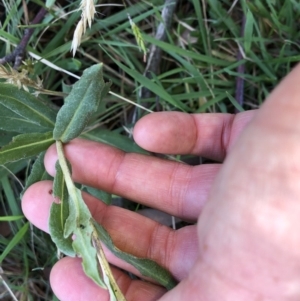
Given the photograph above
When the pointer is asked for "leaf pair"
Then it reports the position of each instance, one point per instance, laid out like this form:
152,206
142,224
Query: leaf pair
73,231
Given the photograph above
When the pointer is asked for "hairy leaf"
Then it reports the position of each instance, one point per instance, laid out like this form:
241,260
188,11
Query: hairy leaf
24,146
80,104
6,137
26,105
59,213
78,223
114,139
99,194
20,125
13,122
146,267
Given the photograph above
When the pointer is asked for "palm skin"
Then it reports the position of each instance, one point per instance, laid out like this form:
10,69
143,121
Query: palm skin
245,246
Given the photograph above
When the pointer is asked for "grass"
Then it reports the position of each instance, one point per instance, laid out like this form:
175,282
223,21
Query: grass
219,56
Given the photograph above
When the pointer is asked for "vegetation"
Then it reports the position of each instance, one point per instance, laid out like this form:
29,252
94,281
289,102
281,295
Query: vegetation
216,56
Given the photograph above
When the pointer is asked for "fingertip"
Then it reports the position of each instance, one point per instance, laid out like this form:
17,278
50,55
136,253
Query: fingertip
37,208
141,131
50,159
165,132
70,284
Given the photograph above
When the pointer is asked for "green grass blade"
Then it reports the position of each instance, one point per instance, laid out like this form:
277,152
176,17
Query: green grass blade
235,103
16,239
169,48
11,218
149,84
248,32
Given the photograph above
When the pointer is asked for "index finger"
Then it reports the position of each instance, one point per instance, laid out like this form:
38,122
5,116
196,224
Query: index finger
169,186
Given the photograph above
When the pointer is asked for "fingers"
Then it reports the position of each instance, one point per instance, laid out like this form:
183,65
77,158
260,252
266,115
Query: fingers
131,232
168,186
70,284
208,135
178,189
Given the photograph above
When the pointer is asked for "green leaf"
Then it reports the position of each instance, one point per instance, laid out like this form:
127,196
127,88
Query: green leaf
59,213
37,173
27,106
80,104
99,194
6,136
114,139
78,223
146,267
58,216
19,125
12,122
25,146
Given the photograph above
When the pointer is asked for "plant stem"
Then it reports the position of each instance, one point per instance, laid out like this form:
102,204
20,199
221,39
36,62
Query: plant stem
109,280
72,190
65,169
108,277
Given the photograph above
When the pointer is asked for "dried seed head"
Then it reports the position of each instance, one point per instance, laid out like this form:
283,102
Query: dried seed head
20,79
77,36
87,16
88,10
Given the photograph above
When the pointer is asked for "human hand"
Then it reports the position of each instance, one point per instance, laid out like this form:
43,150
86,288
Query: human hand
246,244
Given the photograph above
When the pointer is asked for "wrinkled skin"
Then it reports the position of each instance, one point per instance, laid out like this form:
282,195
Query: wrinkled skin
246,245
